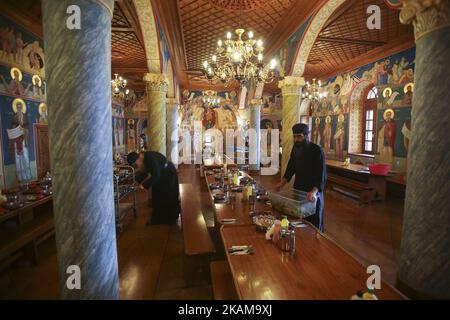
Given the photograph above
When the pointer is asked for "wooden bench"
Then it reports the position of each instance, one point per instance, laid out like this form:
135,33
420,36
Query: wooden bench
353,188
222,281
26,237
198,245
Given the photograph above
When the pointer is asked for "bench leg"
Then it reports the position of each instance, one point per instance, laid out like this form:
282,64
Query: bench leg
196,270
32,252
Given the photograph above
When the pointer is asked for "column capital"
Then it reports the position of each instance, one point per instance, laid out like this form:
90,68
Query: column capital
425,15
156,82
291,85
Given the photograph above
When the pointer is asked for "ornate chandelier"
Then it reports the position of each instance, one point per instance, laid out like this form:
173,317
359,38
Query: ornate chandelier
239,60
313,91
118,86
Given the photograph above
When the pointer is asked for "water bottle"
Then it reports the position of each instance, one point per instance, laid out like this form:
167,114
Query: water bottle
292,241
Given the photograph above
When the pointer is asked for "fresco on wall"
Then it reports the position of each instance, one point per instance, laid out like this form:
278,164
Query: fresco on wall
119,132
222,114
393,77
20,48
287,54
394,132
22,101
17,119
15,83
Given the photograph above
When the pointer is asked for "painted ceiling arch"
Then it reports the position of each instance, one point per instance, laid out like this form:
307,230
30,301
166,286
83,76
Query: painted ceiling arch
312,32
150,33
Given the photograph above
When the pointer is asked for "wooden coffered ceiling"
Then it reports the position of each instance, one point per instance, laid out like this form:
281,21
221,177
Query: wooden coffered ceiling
192,28
206,21
346,42
127,53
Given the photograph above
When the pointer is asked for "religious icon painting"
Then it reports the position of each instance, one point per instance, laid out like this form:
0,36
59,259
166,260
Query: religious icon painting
15,72
388,114
409,87
43,113
387,92
19,104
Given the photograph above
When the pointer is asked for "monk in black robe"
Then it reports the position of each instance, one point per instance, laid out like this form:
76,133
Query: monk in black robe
154,171
307,163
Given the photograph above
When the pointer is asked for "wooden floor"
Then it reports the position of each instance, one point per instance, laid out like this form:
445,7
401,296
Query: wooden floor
151,257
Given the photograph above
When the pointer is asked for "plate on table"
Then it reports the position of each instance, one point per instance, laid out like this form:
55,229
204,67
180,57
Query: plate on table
214,186
32,198
219,197
236,188
245,180
264,221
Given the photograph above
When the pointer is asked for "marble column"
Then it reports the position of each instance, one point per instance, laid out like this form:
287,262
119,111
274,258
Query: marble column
78,68
156,87
172,131
290,91
425,247
255,124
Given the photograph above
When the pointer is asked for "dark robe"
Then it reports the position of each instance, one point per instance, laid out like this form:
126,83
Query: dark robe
309,167
165,189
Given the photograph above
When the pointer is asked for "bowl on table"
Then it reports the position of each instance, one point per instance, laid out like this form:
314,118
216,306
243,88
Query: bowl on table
379,169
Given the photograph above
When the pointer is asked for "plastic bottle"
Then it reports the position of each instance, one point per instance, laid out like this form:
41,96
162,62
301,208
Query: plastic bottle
249,190
235,179
284,222
370,294
276,231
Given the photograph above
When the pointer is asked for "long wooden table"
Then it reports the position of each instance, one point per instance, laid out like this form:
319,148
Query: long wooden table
319,269
236,209
28,206
360,173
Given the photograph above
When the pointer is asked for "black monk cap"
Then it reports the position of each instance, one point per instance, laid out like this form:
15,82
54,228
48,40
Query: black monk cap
300,128
132,157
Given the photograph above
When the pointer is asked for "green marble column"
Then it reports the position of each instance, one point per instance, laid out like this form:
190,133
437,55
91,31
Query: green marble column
424,269
291,93
156,87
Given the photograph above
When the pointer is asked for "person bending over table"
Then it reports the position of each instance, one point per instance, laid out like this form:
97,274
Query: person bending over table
307,163
155,172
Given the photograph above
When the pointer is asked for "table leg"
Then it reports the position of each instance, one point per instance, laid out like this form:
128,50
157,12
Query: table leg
379,183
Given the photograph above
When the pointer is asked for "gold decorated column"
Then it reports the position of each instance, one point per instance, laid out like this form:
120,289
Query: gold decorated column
424,266
291,92
156,86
